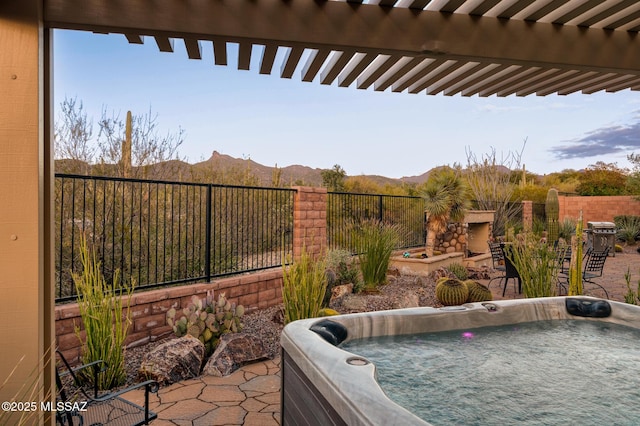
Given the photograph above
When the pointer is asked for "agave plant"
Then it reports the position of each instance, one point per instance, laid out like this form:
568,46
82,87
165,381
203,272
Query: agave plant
447,198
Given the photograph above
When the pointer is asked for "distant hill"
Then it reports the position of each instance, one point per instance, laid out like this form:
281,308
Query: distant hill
222,168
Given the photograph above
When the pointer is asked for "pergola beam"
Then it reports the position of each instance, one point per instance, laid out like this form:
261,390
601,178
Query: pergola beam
363,28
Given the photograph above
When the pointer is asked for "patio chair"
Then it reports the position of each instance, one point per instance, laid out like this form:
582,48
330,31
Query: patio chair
92,407
593,262
510,271
563,252
497,257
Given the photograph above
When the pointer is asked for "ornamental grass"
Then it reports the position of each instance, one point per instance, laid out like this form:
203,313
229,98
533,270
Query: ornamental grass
104,310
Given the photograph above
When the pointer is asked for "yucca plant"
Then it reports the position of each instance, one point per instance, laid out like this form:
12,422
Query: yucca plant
104,310
304,285
447,198
375,241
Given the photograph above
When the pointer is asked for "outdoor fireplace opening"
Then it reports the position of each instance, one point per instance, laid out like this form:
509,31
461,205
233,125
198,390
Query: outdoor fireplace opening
479,223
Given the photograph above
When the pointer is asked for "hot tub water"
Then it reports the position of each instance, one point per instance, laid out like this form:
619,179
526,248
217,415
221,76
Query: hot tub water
544,372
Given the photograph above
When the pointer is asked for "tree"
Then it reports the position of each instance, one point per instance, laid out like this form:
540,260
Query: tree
633,179
603,179
73,133
489,178
565,181
148,147
333,179
446,197
76,145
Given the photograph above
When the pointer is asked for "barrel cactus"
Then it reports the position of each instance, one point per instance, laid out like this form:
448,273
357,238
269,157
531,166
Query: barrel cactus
552,211
451,291
478,292
206,319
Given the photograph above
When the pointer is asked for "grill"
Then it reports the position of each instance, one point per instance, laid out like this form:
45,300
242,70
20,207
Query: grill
601,235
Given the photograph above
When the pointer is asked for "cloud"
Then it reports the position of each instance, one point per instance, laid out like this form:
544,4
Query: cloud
606,140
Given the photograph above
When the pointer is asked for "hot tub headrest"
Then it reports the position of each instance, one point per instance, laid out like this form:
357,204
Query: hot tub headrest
331,331
588,308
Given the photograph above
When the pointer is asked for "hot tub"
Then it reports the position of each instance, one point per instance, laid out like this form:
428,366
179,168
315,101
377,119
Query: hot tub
323,384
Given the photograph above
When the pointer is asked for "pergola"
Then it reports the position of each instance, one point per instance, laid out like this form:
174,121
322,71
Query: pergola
450,47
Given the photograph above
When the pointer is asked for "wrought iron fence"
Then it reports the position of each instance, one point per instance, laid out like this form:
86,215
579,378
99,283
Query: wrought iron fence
343,209
158,233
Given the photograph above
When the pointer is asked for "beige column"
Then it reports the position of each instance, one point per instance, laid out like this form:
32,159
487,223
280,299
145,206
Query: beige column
25,204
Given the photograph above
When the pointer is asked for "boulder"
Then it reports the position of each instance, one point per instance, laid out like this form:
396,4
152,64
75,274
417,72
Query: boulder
479,273
339,291
353,303
173,361
406,300
233,351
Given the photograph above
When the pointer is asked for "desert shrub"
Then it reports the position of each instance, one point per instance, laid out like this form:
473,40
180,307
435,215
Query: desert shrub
341,269
627,228
304,286
459,270
536,263
538,226
375,241
566,229
104,310
632,297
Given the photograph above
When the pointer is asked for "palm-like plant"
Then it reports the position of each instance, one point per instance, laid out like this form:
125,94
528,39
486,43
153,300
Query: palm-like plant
446,197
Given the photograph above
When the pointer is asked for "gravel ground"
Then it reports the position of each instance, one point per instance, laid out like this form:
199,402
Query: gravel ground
260,323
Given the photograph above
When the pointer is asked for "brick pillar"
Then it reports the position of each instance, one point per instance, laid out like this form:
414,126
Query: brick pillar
309,221
527,215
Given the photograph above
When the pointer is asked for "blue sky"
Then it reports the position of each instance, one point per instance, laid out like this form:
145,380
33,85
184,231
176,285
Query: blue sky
278,121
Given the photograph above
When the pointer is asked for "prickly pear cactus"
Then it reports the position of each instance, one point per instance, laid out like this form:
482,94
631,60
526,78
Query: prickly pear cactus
478,292
206,319
451,291
552,211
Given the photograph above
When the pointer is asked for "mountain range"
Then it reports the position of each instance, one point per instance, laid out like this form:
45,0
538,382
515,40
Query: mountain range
222,168
291,175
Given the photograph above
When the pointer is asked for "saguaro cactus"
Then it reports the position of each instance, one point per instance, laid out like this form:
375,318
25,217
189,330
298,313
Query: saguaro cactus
552,211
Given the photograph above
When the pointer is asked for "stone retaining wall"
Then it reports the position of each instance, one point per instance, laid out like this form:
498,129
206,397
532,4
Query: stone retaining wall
149,309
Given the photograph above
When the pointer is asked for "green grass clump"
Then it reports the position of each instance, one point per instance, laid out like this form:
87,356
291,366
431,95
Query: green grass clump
304,287
375,241
632,297
106,318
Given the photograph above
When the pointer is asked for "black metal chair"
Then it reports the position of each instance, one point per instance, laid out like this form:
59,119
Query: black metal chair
510,271
497,256
563,252
594,266
593,262
93,408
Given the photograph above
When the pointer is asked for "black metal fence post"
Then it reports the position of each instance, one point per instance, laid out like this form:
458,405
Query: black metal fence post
207,238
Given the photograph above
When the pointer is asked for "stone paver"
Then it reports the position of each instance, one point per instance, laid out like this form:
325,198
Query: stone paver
251,395
248,396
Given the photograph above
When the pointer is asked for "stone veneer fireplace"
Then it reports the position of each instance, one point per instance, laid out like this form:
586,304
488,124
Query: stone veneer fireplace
468,237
